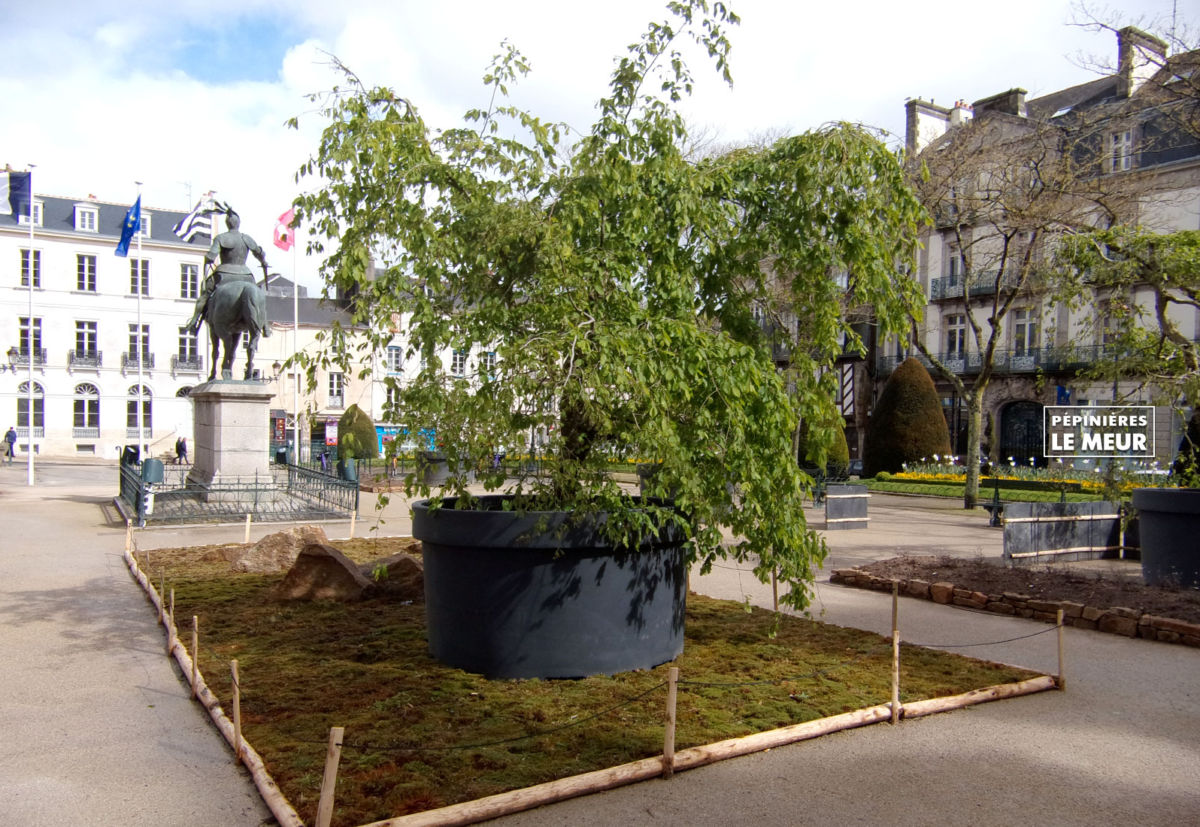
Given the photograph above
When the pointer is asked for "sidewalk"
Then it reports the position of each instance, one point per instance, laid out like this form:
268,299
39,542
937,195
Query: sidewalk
101,730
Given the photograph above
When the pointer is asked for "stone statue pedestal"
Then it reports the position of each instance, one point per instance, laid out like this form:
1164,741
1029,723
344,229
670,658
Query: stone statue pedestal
232,430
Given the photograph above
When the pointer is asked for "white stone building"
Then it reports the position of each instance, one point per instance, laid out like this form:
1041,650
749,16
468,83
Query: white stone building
1131,143
97,319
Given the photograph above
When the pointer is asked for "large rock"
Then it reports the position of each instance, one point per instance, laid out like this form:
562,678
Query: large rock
401,576
321,572
275,552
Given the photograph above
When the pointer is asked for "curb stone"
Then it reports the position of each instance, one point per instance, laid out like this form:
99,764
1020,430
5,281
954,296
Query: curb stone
1117,620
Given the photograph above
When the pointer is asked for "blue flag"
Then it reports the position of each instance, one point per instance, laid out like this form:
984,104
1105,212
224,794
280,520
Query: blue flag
15,193
133,219
1063,395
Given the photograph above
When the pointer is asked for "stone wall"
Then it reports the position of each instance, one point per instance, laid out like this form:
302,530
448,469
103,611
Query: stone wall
1117,620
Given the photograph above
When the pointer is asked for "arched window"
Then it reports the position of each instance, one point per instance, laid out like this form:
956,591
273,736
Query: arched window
39,419
131,413
184,392
87,411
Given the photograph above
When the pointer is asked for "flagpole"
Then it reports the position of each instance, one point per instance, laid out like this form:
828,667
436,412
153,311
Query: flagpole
29,380
295,352
141,343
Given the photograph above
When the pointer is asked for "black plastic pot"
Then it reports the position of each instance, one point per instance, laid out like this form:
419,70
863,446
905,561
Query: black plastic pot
1169,529
539,595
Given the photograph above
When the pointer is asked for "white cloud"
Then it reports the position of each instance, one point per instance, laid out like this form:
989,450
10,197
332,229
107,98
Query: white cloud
95,95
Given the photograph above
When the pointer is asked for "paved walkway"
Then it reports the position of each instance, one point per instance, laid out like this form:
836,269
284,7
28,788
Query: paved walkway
99,729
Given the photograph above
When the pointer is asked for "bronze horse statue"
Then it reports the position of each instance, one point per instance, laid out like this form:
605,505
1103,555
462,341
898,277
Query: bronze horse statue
231,302
232,311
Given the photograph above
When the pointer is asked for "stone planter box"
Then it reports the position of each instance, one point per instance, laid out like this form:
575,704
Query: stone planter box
846,507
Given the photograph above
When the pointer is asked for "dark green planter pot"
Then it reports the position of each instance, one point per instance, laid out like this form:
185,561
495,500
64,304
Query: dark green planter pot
1169,529
536,596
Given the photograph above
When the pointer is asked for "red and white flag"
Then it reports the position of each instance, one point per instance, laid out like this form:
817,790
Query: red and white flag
285,235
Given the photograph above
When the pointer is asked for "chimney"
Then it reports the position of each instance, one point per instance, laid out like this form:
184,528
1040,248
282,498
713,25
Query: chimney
925,122
961,113
1139,56
1011,102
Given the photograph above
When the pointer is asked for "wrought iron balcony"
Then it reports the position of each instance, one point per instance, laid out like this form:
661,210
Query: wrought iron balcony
336,403
84,358
130,360
1024,360
187,364
18,357
85,433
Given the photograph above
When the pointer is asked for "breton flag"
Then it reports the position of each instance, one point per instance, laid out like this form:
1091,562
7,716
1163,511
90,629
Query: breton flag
15,194
133,219
285,234
199,220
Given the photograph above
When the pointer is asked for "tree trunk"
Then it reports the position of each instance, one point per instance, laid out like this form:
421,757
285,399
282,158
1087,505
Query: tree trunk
974,433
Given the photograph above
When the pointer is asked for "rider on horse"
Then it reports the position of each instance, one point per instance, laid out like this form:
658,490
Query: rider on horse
233,247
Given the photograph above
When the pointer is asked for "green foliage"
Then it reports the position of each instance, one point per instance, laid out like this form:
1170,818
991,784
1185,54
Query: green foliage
907,424
1186,467
1103,270
356,435
613,283
832,460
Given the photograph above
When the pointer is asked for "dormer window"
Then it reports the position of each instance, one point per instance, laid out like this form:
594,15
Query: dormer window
145,224
86,218
23,218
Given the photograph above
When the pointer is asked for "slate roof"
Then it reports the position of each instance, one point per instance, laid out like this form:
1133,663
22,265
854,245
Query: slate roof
58,216
315,312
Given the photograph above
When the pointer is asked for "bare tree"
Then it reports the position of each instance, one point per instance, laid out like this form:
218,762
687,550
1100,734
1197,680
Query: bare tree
1001,189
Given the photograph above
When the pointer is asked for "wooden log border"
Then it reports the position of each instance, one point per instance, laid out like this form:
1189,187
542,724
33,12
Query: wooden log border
274,798
514,801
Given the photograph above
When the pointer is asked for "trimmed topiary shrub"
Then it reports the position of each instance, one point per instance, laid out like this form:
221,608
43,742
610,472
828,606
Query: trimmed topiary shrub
837,458
907,424
356,435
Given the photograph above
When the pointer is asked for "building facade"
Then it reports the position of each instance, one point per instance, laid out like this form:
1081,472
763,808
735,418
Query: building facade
1004,179
88,327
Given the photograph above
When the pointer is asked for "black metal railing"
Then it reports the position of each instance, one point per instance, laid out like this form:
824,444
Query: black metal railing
283,493
85,358
190,364
130,360
19,357
1023,360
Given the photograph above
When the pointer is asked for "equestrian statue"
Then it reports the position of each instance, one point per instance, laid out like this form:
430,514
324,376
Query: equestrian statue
230,301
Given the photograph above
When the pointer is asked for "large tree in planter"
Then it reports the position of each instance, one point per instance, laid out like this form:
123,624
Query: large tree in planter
605,290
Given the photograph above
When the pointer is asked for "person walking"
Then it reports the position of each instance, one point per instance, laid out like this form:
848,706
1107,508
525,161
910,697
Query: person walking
181,451
10,442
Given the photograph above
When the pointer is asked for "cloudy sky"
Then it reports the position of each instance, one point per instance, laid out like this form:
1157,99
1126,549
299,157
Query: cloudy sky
192,95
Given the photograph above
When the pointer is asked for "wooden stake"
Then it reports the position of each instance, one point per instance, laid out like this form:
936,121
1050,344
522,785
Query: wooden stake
128,535
195,652
237,711
1062,680
353,514
493,806
775,590
247,539
669,734
895,651
280,807
333,754
171,623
